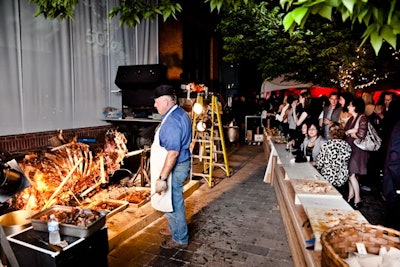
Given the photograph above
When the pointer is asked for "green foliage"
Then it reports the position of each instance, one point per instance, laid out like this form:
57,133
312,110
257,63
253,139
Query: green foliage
131,12
381,19
55,8
321,52
320,49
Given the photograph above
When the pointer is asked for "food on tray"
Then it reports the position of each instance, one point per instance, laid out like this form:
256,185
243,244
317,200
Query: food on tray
105,206
74,221
272,131
75,216
111,206
322,220
312,186
138,196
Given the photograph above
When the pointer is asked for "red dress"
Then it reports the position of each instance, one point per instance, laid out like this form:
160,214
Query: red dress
359,158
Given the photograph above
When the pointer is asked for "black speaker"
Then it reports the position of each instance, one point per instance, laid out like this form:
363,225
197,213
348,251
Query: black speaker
136,75
230,73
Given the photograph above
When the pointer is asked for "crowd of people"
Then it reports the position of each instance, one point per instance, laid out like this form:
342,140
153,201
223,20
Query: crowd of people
323,130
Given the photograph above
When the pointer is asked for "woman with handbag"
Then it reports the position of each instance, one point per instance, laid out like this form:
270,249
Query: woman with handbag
356,128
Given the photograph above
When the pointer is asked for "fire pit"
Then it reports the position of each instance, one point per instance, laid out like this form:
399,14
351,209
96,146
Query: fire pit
70,173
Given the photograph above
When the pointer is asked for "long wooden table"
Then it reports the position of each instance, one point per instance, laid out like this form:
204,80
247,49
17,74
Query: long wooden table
282,172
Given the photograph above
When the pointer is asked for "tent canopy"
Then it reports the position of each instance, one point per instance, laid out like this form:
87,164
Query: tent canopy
281,83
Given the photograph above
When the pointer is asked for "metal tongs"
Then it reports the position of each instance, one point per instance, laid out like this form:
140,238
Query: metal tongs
51,246
149,197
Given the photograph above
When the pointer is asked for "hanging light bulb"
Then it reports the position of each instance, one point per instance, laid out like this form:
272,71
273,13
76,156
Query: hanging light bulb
203,124
197,108
201,127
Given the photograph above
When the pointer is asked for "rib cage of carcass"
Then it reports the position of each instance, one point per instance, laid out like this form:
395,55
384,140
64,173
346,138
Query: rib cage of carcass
70,172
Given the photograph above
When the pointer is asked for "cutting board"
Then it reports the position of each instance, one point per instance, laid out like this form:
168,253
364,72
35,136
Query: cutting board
310,187
323,219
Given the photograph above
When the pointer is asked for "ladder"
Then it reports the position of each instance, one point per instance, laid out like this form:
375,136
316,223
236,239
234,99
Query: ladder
210,142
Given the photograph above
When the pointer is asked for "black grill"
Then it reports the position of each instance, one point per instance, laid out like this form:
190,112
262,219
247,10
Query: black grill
137,83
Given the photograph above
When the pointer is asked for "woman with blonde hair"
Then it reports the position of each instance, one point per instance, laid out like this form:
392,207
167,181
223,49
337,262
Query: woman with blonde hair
369,103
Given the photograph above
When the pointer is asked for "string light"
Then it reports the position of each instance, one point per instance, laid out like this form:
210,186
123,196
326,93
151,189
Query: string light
347,72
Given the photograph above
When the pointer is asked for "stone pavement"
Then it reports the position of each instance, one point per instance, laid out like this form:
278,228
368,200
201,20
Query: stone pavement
235,223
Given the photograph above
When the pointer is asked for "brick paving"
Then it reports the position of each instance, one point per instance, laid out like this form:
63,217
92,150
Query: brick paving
235,223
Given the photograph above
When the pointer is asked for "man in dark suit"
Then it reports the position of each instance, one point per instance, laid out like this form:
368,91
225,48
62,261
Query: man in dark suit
391,179
330,114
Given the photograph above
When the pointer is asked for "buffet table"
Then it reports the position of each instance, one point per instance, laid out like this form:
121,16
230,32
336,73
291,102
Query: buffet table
309,205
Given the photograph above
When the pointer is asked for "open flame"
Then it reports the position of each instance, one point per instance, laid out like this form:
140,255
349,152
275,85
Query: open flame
70,172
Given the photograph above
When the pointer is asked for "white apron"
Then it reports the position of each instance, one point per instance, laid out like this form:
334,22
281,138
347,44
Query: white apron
158,155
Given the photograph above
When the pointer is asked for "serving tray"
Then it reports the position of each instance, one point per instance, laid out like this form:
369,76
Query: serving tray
320,188
136,197
39,221
324,219
109,206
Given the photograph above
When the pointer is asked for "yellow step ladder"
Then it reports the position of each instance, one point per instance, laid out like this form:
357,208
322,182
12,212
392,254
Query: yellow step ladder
209,139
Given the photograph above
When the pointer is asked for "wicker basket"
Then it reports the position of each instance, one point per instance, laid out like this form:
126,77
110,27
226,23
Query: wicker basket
338,241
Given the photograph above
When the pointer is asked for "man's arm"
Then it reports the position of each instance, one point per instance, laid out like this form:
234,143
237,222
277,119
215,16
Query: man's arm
169,163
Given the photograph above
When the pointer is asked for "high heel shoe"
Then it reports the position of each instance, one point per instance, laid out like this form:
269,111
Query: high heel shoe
357,205
350,201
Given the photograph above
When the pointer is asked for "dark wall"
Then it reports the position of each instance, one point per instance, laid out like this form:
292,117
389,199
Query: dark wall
250,79
198,46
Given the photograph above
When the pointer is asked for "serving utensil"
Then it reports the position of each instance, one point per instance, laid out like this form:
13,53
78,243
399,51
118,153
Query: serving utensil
51,246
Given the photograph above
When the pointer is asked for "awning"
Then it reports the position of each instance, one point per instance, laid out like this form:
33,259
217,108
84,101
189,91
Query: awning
280,83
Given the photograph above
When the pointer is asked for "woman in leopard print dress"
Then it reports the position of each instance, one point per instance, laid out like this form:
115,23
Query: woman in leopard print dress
333,158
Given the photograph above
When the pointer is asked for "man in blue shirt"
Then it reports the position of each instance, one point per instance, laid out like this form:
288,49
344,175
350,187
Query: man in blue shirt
170,165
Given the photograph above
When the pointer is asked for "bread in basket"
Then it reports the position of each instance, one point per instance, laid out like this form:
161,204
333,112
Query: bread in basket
337,242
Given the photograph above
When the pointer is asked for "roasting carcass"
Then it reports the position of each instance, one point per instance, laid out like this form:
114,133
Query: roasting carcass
69,172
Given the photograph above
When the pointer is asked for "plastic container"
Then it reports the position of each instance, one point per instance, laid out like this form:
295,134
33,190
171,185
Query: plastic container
87,140
54,230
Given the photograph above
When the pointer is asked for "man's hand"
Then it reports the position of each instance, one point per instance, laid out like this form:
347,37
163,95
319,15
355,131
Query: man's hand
161,186
327,122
